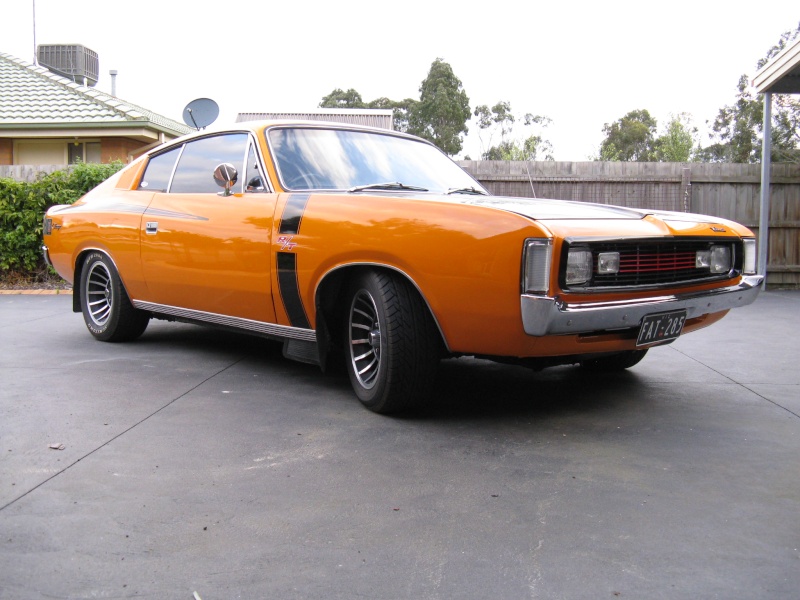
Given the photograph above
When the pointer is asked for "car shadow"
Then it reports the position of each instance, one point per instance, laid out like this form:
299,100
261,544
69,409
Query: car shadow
465,388
468,388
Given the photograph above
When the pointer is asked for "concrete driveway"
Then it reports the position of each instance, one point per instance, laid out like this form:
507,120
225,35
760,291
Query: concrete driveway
199,464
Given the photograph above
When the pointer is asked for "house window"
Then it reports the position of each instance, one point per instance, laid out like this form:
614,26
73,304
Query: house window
87,152
39,152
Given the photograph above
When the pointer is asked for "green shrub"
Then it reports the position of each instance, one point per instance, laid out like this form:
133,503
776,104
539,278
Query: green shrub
22,208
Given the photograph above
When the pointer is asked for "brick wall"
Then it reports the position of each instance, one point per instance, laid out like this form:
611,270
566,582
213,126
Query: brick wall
112,149
6,152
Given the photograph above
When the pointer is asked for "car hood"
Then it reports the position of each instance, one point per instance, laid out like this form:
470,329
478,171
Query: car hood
543,209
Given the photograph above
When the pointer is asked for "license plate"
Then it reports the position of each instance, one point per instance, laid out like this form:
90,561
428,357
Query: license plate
661,328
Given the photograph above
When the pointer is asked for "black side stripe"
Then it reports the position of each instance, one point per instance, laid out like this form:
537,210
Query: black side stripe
293,214
290,290
287,262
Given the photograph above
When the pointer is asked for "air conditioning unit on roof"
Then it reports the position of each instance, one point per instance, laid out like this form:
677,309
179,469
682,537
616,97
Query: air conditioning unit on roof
72,61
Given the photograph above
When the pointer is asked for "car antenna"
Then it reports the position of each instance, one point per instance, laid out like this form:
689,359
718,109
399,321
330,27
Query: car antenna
530,179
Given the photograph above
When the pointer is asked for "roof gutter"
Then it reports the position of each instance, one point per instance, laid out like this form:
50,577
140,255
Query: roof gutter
148,129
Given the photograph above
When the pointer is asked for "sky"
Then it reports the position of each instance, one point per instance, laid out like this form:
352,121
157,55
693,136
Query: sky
581,64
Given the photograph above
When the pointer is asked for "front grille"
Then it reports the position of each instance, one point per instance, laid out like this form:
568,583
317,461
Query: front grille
648,263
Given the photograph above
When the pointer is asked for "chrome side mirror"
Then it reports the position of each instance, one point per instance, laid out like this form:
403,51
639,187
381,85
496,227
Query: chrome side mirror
226,176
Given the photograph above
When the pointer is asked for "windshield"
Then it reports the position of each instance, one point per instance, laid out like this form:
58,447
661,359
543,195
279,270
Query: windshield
338,159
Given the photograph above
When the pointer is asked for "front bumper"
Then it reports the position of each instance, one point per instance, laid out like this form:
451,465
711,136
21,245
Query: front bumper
46,254
551,316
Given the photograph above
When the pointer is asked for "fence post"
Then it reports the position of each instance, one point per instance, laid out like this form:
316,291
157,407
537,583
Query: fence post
686,189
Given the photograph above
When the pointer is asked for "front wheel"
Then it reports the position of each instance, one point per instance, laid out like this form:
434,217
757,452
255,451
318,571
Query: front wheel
107,310
391,343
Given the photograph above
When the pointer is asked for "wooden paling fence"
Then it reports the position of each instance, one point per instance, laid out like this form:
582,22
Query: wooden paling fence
729,191
29,173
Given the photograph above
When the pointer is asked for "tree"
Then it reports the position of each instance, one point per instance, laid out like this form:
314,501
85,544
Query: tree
400,110
339,99
500,119
630,138
442,112
738,129
440,115
352,99
678,142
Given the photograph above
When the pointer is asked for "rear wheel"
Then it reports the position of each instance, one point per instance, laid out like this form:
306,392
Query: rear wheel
615,362
107,310
391,344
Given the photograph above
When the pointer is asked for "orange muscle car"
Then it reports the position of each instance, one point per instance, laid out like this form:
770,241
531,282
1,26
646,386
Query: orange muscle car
373,249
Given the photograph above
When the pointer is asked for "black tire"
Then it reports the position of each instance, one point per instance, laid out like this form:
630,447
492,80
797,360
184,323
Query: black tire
107,310
614,362
391,343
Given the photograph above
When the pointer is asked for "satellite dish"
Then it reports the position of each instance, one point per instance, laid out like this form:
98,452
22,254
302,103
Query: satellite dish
200,113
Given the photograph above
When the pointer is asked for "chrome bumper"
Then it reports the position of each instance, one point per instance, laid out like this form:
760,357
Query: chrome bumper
46,254
550,316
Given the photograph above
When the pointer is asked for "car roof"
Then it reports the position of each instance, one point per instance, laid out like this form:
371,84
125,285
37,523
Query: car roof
260,125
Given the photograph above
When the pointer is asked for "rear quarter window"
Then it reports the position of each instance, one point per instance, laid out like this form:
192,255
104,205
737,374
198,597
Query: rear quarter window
159,171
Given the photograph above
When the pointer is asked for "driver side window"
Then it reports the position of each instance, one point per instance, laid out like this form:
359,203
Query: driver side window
194,173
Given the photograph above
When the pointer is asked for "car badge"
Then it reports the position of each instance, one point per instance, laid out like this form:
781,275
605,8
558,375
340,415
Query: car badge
718,229
286,243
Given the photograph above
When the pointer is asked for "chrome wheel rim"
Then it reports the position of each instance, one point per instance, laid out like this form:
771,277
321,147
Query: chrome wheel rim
365,339
98,293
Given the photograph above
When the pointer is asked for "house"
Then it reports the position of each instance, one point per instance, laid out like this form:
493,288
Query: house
48,119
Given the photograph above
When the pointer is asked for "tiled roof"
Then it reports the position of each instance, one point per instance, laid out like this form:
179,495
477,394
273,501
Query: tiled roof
32,95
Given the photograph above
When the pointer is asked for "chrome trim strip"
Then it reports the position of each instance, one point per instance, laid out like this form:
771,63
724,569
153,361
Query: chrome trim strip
550,316
281,331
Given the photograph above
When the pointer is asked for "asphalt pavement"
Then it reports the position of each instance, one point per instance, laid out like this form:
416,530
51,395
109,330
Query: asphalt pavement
199,464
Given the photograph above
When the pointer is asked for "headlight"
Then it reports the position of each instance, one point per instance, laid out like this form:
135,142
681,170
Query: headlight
750,266
536,266
721,259
608,262
717,259
579,266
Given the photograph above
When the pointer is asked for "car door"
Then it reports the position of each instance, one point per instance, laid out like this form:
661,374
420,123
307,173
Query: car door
202,249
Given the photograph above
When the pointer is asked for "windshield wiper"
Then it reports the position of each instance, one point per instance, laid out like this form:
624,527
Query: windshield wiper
466,190
390,185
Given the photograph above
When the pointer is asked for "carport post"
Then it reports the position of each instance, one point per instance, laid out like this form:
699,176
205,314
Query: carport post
766,163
